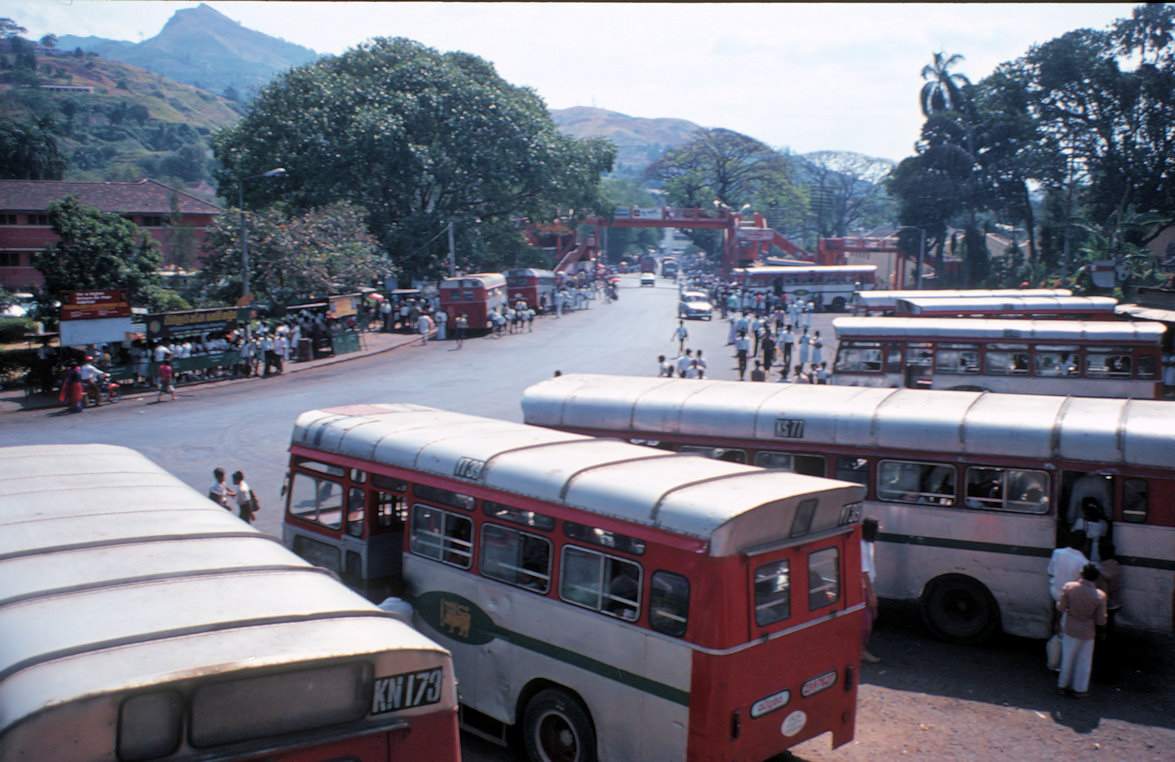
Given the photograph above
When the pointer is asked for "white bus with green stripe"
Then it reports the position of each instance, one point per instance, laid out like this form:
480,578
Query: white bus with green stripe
973,490
614,602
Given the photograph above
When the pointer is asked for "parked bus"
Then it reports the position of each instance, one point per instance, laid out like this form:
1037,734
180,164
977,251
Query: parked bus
614,602
142,621
831,286
886,302
476,296
1094,358
972,490
535,287
1022,307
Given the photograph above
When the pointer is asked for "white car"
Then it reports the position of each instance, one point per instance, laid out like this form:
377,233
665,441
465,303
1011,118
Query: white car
648,279
695,304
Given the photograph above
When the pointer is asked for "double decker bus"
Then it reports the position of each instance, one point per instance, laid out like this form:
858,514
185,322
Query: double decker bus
1021,307
535,287
1090,358
614,602
830,286
886,302
973,491
142,621
475,296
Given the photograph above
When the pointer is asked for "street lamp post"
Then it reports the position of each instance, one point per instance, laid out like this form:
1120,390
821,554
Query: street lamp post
921,251
246,291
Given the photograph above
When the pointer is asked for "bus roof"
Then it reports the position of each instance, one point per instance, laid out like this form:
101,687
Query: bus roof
529,271
1046,427
805,268
731,507
117,577
876,300
940,305
976,329
488,280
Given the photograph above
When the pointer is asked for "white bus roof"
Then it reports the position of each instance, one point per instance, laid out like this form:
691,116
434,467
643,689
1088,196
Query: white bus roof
1005,329
805,268
116,577
938,305
1100,431
731,507
529,271
488,280
877,300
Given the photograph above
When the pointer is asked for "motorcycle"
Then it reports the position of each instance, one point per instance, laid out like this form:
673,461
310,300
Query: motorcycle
104,389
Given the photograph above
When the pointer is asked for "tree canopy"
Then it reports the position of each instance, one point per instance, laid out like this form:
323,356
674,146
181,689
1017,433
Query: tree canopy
30,151
418,139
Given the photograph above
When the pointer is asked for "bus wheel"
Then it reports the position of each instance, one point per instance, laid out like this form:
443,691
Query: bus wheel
558,729
958,609
838,304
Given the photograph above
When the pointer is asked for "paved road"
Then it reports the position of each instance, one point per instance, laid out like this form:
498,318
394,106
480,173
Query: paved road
926,700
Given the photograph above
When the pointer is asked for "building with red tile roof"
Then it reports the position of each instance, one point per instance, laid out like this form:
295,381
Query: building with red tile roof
24,221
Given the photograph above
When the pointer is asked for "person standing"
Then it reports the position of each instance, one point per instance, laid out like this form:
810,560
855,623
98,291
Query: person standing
1109,667
741,346
246,500
461,326
817,350
424,326
1083,610
805,342
684,362
166,380
442,319
869,528
786,342
767,345
219,492
701,364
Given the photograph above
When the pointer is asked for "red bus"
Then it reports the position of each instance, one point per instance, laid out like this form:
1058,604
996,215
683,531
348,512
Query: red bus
535,287
1023,307
615,602
475,296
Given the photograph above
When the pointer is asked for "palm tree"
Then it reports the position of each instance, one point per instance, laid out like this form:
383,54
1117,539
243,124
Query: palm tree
943,90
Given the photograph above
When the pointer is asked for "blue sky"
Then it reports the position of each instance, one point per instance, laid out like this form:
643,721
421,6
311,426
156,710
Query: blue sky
801,76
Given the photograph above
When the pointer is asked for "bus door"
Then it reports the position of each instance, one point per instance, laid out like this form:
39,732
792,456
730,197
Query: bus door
919,370
386,512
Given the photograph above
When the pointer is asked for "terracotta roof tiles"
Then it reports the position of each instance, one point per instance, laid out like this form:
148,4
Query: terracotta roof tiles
142,197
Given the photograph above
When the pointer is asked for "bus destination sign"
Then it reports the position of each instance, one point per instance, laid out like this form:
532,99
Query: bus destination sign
789,428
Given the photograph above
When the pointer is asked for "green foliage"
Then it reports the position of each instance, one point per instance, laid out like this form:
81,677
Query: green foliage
13,329
416,137
620,242
30,151
98,250
323,251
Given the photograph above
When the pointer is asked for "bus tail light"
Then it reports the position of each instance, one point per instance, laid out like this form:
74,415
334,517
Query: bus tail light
849,676
736,724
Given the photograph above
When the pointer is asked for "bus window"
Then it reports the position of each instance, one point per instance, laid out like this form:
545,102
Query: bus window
149,726
517,515
516,558
920,353
859,359
604,538
772,592
849,469
322,468
893,358
716,453
1007,489
823,578
811,465
1134,500
669,603
1146,366
956,359
909,482
1104,364
356,498
443,496
1006,359
441,535
603,583
317,500
391,511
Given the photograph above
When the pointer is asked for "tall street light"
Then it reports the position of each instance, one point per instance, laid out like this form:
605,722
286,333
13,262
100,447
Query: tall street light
246,291
921,251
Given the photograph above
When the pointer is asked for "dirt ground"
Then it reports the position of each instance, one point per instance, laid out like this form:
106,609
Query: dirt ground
933,701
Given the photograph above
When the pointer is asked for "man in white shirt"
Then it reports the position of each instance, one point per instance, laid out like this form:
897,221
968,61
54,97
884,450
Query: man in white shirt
1066,564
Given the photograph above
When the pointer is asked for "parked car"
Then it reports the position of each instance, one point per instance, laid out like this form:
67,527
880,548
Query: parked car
695,304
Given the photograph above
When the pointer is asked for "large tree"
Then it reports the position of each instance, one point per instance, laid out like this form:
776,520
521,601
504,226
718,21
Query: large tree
417,138
30,151
100,250
845,190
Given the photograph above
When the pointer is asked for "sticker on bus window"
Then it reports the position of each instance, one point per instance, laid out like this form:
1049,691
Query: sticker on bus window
411,689
789,428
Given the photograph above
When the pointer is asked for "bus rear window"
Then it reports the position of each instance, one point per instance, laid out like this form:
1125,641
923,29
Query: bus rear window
823,578
772,592
263,707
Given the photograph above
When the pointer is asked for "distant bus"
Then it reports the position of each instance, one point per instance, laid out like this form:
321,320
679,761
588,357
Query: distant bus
535,287
669,267
972,490
1092,358
476,296
886,302
613,602
1022,307
141,621
648,264
830,286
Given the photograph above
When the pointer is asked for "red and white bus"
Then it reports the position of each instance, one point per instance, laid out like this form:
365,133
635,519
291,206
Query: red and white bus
142,621
615,602
830,286
886,302
535,287
1088,358
475,296
1021,307
972,490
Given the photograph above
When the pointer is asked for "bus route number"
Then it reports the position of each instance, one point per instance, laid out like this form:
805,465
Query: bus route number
468,468
789,428
408,690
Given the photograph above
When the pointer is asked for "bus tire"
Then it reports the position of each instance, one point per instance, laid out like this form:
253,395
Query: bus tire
838,304
959,609
558,728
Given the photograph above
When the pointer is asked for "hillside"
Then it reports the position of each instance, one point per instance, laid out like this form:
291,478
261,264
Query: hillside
203,47
638,141
119,122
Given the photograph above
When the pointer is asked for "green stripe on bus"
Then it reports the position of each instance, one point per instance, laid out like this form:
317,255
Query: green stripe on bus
462,620
1016,550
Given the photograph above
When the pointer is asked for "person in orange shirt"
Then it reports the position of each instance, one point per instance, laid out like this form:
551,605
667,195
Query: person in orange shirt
1083,609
